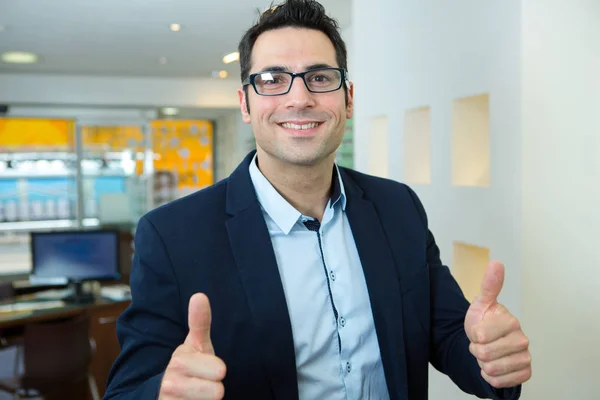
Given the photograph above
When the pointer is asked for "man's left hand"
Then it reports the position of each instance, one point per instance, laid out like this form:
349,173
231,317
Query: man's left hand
497,341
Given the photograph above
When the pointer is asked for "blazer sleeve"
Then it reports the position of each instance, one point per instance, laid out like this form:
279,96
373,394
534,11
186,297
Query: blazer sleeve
152,327
450,345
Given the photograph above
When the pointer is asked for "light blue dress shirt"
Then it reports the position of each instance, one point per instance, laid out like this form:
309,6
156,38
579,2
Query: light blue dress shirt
322,276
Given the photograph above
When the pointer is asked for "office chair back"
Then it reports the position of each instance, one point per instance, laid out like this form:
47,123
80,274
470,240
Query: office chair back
57,351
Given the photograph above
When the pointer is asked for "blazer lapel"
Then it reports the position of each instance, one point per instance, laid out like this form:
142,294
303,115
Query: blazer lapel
382,283
259,274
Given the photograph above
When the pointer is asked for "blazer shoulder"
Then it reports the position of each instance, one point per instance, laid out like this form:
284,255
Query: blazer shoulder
387,192
204,203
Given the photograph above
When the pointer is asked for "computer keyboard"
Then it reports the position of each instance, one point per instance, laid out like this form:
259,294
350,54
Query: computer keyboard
116,292
54,294
31,306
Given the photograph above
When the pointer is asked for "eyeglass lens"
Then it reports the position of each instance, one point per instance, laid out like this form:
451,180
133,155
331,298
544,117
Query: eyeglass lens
272,83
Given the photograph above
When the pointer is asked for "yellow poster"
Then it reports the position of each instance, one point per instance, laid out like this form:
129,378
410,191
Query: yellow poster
115,138
35,133
184,148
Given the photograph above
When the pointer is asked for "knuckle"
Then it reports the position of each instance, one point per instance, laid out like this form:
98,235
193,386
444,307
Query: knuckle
525,343
496,382
527,358
219,391
514,323
473,349
491,369
177,363
169,386
486,353
221,369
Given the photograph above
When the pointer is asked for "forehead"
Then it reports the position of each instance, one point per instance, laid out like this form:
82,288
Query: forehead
293,48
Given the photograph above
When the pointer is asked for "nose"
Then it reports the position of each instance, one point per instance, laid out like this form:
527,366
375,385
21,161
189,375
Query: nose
299,96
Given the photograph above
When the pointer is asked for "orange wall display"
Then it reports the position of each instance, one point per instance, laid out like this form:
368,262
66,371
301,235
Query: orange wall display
114,138
22,134
185,149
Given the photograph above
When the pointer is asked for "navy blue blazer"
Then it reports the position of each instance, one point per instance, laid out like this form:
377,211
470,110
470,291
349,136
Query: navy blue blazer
216,241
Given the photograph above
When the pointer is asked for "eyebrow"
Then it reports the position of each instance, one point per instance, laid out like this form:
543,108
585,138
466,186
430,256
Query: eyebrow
283,68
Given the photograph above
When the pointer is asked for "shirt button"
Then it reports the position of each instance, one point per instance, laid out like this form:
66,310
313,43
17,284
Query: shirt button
348,367
342,321
332,275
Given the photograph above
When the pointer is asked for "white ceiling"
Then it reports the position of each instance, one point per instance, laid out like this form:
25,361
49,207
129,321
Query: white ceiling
128,37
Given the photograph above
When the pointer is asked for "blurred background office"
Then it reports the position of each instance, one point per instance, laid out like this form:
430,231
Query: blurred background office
489,110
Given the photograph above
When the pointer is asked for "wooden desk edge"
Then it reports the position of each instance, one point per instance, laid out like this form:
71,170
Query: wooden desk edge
19,318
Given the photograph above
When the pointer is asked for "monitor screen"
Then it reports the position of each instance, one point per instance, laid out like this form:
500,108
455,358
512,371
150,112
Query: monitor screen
74,256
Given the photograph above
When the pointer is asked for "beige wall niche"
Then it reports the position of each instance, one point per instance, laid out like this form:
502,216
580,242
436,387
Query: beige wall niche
471,141
469,263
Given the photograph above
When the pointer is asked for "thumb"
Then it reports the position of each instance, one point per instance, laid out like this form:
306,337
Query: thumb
491,285
199,320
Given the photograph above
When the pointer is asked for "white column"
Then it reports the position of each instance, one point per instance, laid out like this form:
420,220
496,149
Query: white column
561,196
493,117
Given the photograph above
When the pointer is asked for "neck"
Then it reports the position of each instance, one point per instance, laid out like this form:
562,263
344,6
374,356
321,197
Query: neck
306,187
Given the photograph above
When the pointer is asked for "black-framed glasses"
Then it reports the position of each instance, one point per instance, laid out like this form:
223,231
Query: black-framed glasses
276,83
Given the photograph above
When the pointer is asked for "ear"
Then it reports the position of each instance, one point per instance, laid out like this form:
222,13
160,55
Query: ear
243,105
350,106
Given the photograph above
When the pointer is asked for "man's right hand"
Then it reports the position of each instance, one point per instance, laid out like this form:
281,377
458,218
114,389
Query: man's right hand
194,371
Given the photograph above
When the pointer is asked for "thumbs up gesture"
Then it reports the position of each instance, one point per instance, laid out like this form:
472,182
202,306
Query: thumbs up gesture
497,341
194,371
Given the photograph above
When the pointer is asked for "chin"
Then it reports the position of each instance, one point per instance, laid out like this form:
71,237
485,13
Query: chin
304,159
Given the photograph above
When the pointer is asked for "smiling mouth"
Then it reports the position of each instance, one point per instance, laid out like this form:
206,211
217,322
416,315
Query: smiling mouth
311,125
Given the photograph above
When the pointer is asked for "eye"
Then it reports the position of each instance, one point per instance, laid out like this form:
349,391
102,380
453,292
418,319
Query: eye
320,78
270,78
273,80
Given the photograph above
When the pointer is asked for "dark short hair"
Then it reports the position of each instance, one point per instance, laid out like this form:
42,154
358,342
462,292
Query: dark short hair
308,14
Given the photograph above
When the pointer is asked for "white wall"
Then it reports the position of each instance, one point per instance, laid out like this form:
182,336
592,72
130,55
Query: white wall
414,53
539,62
118,91
561,196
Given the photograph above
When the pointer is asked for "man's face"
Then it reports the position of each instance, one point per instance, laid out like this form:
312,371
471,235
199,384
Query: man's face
275,119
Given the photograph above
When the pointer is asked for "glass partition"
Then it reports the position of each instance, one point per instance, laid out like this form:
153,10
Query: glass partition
38,184
59,174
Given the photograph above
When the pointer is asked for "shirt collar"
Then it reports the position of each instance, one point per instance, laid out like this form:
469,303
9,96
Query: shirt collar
282,212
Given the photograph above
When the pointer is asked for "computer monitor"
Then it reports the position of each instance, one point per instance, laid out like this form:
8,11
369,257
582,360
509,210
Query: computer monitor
73,257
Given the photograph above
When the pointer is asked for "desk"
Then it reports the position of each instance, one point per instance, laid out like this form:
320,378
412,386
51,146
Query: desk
103,313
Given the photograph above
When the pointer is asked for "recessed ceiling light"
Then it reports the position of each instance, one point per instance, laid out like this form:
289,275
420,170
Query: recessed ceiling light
19,57
175,27
1,28
170,111
220,74
163,60
229,58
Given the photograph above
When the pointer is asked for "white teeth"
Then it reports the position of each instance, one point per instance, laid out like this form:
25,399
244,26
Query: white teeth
300,127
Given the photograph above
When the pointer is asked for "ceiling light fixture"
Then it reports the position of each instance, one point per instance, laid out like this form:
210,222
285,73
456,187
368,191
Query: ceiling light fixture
163,60
1,28
175,27
229,58
19,57
220,74
170,111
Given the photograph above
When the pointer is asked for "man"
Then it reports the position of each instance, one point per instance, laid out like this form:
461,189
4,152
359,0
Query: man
294,278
